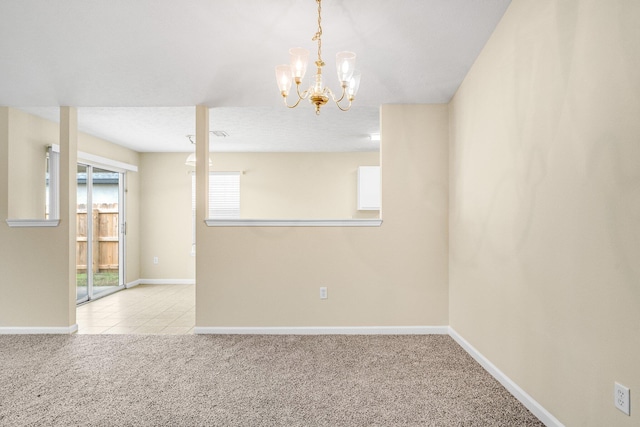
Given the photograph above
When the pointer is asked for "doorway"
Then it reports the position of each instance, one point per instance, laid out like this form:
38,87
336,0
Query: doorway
100,231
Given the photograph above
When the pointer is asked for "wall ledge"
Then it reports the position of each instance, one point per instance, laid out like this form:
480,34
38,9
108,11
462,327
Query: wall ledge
30,330
324,330
529,402
33,222
293,222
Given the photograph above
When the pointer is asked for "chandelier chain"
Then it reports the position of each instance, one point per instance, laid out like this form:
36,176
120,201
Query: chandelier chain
318,36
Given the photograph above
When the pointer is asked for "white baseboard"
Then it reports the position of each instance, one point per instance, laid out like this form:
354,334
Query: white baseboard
524,398
160,282
132,284
325,330
30,330
166,281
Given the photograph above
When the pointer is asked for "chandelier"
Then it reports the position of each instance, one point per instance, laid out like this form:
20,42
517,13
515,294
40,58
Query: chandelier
318,94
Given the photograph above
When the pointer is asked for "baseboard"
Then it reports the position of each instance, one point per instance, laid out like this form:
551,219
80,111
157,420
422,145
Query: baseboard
160,282
325,330
30,330
524,398
166,281
132,284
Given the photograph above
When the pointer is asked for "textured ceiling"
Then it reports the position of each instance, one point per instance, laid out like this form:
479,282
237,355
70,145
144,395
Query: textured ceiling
250,129
114,54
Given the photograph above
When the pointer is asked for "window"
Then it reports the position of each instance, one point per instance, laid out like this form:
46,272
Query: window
224,199
224,195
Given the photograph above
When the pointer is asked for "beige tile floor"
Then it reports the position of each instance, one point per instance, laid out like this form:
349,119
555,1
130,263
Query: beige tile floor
143,309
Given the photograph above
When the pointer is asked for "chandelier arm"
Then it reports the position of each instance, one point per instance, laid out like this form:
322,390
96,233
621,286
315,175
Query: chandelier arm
301,96
291,106
344,92
337,101
344,109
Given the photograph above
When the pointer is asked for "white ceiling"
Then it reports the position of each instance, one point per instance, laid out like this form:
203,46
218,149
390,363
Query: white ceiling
136,68
250,129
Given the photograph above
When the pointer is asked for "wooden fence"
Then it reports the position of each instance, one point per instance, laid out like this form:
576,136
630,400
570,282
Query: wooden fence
105,238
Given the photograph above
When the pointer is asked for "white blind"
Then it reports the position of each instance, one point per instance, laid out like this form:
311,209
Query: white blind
224,195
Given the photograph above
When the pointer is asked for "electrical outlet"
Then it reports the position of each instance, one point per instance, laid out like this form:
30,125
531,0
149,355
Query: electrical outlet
155,259
323,292
621,398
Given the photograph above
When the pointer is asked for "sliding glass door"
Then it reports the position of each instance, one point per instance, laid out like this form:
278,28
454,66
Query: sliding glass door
100,232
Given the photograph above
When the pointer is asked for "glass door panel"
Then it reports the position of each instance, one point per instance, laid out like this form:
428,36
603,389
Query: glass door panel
106,231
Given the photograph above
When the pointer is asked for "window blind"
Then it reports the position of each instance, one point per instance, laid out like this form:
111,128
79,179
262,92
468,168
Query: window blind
224,195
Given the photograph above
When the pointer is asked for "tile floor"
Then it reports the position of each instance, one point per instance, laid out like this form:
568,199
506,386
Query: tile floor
143,309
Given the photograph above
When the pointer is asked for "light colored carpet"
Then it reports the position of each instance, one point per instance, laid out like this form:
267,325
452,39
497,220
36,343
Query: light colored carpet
138,380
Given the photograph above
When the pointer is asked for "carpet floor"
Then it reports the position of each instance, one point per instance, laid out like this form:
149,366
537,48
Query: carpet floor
248,380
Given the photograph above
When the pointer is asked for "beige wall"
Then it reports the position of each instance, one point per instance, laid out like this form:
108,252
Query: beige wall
545,205
34,263
165,209
36,285
274,185
298,185
393,275
29,137
100,147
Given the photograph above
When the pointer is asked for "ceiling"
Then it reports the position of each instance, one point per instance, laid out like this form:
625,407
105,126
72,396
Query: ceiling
135,69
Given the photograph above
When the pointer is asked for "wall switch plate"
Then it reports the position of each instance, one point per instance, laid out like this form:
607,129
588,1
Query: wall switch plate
621,398
323,292
155,259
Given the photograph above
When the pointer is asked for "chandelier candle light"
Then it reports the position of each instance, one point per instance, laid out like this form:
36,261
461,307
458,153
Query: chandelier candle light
318,94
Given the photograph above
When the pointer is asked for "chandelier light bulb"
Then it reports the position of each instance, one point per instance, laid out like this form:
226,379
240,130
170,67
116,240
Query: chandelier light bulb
283,77
299,60
345,62
354,85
